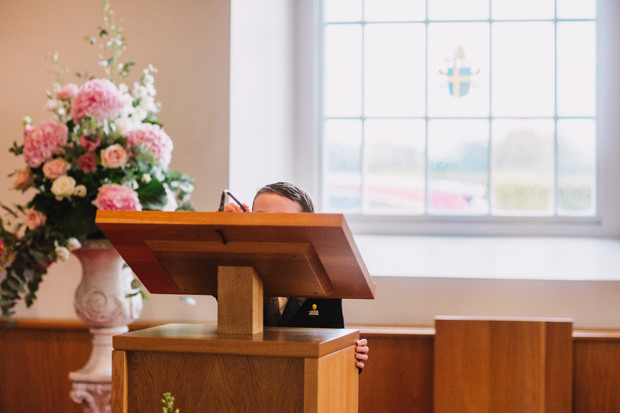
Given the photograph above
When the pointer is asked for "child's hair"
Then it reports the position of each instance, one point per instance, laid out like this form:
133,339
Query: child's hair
289,191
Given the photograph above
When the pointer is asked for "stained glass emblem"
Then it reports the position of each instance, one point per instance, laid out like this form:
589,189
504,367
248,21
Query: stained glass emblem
459,75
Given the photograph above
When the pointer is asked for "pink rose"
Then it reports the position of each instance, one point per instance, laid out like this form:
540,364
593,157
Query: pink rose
114,156
34,219
87,162
155,139
55,168
67,92
22,178
1,250
89,142
41,142
114,197
99,99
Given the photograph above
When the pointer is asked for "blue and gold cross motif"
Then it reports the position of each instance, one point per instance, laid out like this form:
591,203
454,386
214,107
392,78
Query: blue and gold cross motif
459,75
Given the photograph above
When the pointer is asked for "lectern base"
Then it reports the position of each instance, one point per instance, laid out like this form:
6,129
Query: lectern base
280,370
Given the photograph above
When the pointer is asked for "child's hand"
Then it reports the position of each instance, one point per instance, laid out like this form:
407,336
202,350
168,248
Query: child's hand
232,207
361,353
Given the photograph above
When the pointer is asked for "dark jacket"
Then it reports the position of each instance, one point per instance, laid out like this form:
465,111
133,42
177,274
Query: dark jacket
304,312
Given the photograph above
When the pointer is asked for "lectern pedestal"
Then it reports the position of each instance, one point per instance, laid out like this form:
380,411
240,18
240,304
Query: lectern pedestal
280,370
238,366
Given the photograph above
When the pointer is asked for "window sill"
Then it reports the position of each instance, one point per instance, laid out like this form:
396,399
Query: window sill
526,258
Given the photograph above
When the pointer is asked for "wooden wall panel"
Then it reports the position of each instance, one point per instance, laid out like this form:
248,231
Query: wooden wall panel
35,361
36,358
399,374
502,365
597,374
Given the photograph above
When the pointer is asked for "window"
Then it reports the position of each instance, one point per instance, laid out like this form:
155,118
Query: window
484,109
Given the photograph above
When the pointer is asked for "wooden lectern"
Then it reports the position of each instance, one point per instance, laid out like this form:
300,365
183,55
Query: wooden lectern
238,366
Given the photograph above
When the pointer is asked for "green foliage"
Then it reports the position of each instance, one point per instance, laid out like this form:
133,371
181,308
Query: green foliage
168,402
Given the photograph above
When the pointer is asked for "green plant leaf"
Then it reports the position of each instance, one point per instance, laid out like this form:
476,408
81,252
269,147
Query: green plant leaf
153,195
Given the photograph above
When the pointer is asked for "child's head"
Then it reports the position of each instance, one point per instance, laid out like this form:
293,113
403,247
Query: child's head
282,197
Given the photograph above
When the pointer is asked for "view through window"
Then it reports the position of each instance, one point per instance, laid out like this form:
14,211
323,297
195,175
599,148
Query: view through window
461,108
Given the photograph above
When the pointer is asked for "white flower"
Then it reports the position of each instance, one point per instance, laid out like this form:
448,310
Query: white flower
63,187
73,244
146,178
189,300
125,124
52,104
171,205
79,190
139,91
62,253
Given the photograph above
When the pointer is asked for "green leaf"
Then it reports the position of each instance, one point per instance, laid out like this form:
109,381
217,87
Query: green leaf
153,195
79,220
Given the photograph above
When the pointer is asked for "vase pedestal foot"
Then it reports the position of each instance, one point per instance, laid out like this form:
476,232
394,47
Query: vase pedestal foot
92,384
95,397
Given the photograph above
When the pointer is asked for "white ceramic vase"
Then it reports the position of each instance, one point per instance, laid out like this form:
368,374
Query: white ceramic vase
104,301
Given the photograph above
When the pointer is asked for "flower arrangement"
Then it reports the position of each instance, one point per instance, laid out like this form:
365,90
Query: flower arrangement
102,149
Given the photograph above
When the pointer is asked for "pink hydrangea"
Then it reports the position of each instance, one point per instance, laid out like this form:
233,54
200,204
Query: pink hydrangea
87,162
41,142
114,197
155,139
67,92
99,99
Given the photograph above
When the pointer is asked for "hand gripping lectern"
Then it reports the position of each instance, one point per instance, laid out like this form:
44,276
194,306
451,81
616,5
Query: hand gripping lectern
238,366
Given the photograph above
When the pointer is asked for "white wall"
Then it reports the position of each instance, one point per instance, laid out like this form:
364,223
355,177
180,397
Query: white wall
262,112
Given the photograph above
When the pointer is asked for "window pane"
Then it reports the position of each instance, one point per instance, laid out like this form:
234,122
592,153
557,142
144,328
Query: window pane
342,171
576,69
522,167
458,68
576,9
523,69
576,167
343,70
458,10
342,10
522,9
394,166
394,10
458,167
394,70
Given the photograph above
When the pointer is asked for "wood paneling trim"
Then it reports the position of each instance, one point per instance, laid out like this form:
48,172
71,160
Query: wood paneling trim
39,354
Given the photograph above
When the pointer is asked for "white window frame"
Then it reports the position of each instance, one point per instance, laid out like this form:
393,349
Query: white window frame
606,224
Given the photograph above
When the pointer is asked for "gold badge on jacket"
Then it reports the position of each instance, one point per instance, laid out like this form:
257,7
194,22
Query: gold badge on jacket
314,312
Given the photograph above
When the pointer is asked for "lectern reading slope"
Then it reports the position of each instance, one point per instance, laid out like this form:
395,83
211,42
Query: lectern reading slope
302,255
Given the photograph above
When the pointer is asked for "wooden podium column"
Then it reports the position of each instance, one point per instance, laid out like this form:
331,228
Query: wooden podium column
502,365
240,301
